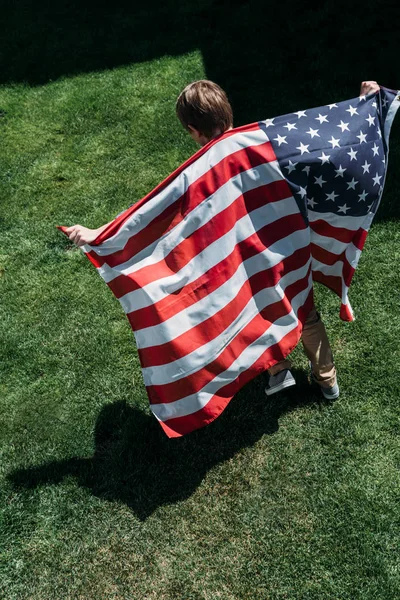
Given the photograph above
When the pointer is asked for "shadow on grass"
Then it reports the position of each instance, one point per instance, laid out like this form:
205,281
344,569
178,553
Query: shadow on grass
272,58
135,463
265,54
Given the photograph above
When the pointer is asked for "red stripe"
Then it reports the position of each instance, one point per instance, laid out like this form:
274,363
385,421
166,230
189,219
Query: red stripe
329,258
230,166
345,313
183,425
333,282
359,238
205,284
324,256
348,272
212,327
338,233
194,382
191,246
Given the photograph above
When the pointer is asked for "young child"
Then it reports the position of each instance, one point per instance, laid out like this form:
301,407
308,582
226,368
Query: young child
204,110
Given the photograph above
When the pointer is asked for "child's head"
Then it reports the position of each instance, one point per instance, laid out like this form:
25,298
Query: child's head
204,110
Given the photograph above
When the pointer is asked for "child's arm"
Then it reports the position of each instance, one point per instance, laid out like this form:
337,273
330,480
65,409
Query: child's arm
83,235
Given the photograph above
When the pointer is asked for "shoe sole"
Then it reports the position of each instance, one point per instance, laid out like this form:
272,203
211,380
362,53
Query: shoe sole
278,388
329,396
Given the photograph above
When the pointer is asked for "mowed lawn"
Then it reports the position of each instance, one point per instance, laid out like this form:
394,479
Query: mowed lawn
289,498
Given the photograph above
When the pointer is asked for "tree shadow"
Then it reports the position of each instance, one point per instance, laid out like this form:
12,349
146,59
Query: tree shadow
272,58
265,54
136,464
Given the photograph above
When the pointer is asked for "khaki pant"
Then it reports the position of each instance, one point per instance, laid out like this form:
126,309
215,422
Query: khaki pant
317,349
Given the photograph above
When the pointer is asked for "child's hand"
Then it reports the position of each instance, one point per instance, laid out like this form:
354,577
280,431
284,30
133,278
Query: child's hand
81,235
368,87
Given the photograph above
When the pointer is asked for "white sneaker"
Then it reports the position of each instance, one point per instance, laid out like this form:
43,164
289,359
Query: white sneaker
279,382
330,393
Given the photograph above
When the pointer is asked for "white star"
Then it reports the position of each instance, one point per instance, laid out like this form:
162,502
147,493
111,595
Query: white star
340,171
322,118
303,148
281,139
302,192
290,126
352,184
291,166
352,111
370,119
300,113
377,179
379,133
332,106
319,181
385,102
334,142
352,154
343,126
332,196
325,158
369,208
343,208
366,167
362,196
307,169
375,149
383,160
311,202
269,122
362,137
362,98
374,104
313,132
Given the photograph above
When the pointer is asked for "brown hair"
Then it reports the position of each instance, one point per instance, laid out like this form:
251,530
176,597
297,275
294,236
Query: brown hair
205,106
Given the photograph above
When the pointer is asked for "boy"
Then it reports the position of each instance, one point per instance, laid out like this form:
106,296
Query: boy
204,110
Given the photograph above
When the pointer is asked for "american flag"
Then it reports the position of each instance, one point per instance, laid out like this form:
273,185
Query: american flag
215,267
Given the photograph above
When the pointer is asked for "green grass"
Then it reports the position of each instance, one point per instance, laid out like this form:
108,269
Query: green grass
289,498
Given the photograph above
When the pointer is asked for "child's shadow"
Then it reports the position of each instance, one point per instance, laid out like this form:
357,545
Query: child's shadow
135,463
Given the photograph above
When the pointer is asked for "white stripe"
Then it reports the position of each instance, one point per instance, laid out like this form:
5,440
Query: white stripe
345,299
342,221
393,108
155,206
353,255
224,197
211,304
274,334
336,270
199,358
368,220
389,118
328,243
213,254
